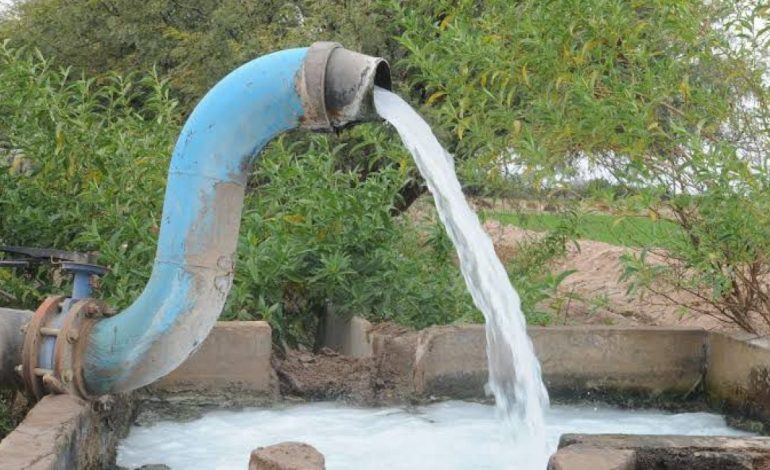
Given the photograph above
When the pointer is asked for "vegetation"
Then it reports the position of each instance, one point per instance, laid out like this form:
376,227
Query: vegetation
667,96
192,44
87,173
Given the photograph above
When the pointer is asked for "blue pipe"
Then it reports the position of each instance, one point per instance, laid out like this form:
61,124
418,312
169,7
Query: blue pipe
193,269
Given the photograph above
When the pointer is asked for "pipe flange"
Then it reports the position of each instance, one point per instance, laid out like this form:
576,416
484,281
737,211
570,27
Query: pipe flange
66,374
70,347
33,338
336,86
311,86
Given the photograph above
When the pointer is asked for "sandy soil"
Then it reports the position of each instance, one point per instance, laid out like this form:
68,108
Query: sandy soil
604,298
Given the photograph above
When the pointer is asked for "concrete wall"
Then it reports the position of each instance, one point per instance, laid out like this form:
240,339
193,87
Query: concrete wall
348,335
650,362
63,432
451,361
647,361
231,367
738,375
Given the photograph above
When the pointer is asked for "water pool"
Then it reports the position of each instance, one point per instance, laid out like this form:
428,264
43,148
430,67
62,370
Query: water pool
447,435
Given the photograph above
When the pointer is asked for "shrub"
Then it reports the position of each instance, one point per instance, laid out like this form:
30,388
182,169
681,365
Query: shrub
314,231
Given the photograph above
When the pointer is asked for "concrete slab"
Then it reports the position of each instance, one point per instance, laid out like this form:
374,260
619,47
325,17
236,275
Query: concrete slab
232,363
348,335
738,375
579,457
451,360
64,432
665,452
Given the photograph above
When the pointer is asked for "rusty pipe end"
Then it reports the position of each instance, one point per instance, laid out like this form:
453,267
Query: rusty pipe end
336,86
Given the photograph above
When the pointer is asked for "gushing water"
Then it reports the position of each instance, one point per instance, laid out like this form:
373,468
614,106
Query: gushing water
514,372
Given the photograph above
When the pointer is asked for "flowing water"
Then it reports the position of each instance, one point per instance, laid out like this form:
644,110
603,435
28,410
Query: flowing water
514,372
447,436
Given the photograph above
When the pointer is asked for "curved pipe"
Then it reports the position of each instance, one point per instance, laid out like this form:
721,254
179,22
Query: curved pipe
193,270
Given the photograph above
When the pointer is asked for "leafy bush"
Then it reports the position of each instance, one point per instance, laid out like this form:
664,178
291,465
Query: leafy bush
314,236
95,170
313,232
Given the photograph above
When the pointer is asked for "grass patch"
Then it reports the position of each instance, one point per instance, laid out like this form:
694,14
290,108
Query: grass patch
617,230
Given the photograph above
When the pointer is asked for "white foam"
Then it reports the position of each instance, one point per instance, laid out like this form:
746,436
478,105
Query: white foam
449,435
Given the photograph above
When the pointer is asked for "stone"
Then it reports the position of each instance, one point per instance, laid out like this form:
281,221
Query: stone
592,458
287,456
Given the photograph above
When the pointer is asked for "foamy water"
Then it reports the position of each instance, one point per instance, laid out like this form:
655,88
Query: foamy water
447,436
514,371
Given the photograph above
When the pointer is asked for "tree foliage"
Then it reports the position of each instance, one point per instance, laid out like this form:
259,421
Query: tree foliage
667,96
192,44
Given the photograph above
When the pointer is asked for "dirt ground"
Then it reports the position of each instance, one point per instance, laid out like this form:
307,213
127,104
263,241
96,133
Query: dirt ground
596,282
604,298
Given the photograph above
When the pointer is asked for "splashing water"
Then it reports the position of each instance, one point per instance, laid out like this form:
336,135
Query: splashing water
514,372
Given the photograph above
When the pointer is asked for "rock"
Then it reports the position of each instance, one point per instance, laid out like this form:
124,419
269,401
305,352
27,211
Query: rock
592,458
286,456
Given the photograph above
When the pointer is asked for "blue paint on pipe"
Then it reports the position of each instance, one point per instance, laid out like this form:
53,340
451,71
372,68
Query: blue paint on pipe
212,158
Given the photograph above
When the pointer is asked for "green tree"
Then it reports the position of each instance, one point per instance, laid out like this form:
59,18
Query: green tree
192,44
667,95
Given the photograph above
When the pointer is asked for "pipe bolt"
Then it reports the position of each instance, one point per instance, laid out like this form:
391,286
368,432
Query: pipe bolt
72,336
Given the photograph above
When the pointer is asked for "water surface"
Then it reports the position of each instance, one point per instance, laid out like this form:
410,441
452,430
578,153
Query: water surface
448,436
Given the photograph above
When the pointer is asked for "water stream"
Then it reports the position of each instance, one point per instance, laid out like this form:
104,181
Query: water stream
514,372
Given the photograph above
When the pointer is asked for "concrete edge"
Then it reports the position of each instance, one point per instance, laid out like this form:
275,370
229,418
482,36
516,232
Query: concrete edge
64,432
629,452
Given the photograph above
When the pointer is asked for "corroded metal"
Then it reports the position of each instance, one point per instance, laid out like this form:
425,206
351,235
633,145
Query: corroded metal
50,254
12,328
66,372
349,87
32,341
336,86
70,345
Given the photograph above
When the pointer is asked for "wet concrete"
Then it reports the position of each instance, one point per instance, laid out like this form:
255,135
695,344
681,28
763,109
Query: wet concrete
626,452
